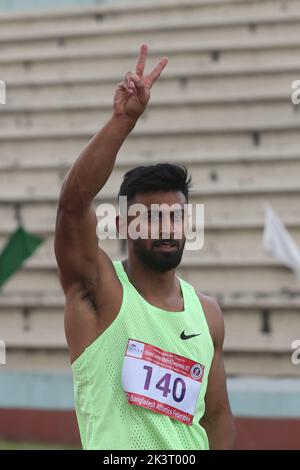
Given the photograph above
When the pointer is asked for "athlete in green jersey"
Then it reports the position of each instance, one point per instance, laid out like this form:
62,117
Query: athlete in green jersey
145,345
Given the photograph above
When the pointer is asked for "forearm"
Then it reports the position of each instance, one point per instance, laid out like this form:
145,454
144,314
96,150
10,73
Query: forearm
94,165
220,431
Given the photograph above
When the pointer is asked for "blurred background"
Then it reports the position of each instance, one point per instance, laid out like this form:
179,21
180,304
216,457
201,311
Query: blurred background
223,108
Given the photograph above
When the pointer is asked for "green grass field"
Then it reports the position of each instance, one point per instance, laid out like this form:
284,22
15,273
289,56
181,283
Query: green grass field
4,445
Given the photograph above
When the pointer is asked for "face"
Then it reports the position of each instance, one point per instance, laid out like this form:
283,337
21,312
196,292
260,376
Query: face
160,226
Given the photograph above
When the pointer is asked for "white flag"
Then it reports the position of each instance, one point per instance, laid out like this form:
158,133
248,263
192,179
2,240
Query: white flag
278,241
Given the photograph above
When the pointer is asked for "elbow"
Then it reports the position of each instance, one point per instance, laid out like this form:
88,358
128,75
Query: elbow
230,430
221,430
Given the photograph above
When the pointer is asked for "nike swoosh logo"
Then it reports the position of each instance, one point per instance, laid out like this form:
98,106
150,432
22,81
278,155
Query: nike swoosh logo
184,336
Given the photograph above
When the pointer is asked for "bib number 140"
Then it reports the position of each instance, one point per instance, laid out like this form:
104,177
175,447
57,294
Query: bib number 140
177,388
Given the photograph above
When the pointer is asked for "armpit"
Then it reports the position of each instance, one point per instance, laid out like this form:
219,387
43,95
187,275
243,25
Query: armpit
90,298
89,294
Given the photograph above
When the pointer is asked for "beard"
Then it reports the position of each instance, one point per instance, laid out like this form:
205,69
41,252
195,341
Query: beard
160,261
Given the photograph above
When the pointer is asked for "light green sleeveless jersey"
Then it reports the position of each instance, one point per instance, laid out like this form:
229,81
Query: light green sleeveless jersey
106,420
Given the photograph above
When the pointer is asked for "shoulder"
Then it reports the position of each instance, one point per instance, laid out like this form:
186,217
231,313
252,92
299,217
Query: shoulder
214,318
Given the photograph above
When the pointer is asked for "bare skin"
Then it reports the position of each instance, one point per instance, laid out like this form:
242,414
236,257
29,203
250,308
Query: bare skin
92,289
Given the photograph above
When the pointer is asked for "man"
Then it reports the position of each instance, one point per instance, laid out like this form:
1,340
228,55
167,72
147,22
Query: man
145,347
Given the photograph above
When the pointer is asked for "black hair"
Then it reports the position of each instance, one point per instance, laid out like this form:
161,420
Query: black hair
153,178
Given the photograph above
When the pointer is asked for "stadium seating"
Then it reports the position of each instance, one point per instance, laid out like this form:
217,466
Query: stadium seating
222,107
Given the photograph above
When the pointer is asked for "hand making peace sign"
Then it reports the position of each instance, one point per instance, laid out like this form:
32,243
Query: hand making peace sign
133,93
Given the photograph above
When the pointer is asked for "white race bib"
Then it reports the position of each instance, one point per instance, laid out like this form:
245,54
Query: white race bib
161,381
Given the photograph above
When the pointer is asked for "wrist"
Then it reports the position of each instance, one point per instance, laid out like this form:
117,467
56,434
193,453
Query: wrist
124,121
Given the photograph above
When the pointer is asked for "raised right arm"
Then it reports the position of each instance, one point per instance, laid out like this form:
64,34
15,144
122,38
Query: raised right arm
92,289
82,265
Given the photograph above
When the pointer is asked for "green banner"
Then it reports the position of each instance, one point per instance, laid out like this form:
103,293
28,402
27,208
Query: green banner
19,247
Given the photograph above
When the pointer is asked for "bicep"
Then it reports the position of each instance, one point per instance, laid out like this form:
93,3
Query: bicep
217,419
216,398
76,246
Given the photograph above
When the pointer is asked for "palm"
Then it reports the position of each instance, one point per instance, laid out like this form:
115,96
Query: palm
133,93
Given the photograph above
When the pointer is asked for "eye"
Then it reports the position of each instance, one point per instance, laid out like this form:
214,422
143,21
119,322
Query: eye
178,216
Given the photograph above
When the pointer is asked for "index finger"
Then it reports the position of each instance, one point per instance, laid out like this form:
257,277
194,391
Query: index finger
140,66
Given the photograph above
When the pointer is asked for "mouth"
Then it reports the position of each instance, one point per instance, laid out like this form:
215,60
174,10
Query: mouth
165,245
